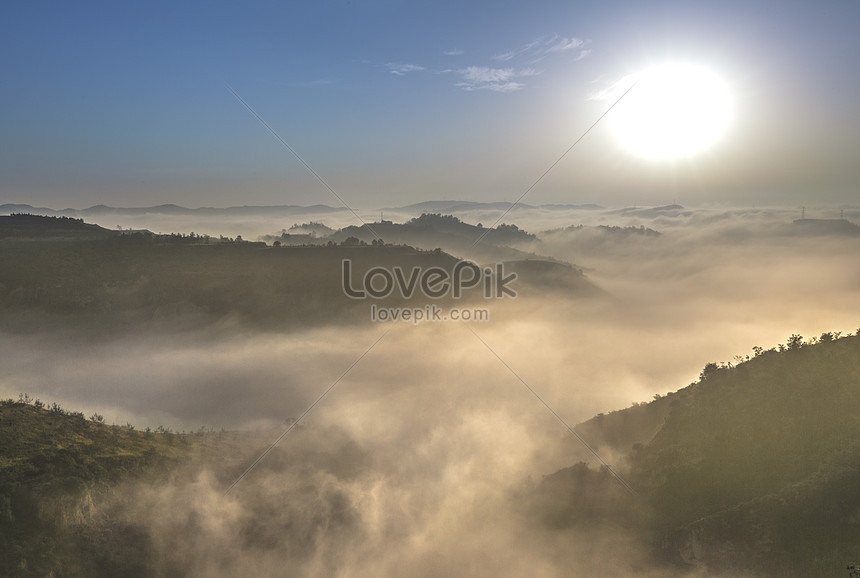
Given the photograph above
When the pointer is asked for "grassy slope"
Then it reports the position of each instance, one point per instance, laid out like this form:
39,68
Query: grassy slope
69,491
54,466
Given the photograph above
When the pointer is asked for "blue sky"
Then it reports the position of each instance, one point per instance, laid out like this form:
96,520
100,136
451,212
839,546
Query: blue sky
397,102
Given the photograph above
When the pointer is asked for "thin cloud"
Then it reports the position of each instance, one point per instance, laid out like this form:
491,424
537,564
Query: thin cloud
511,54
403,69
504,78
565,45
544,46
494,79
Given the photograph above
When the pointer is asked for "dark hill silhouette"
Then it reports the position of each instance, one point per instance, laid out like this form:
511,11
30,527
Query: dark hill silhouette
432,230
95,277
538,277
814,227
536,274
37,226
431,226
597,236
753,469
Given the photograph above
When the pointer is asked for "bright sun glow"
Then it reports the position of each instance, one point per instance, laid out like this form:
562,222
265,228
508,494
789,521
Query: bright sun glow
674,111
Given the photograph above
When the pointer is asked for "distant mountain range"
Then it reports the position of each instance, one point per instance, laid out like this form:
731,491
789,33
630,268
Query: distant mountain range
168,209
462,206
171,209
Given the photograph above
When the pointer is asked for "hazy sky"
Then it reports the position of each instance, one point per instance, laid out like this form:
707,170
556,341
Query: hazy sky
397,102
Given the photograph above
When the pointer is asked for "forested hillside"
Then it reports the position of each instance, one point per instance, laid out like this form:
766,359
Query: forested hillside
753,469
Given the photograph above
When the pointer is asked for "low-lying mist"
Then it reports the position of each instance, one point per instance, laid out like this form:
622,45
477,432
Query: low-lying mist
413,464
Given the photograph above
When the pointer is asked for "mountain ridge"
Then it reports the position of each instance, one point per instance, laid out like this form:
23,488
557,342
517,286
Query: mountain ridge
755,468
174,209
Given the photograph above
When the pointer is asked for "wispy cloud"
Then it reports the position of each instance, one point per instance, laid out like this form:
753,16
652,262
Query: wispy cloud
511,54
565,44
541,47
494,79
509,77
403,69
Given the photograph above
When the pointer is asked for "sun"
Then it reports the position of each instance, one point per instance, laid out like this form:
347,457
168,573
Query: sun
673,111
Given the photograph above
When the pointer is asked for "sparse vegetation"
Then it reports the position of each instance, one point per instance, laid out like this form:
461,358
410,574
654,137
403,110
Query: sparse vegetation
55,468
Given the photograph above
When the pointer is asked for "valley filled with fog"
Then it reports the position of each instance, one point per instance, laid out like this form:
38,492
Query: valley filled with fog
679,287
415,461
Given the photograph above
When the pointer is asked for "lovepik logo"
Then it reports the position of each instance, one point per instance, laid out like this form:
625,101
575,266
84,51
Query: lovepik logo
433,282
